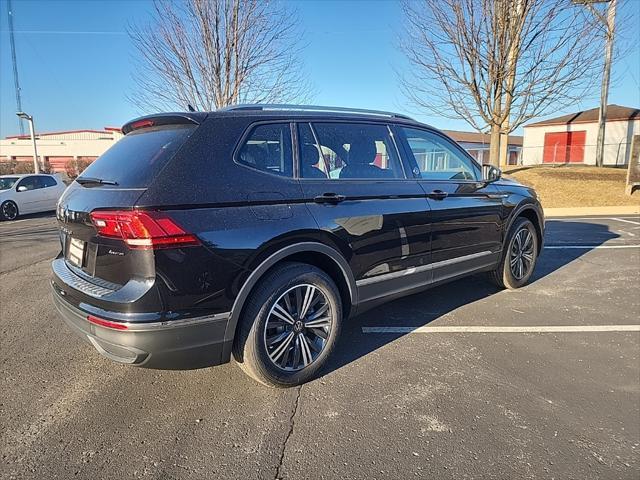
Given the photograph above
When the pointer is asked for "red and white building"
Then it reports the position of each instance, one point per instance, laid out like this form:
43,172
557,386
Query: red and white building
57,148
572,138
477,144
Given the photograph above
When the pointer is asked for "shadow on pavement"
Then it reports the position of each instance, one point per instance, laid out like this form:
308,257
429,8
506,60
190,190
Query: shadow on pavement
38,231
51,214
423,308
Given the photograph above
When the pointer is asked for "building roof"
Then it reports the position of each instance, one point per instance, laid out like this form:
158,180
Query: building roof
84,134
483,138
614,113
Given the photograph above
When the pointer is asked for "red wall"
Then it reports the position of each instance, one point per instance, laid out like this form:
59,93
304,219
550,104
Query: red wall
564,147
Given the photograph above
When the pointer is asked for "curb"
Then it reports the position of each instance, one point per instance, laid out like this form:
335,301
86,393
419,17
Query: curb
592,211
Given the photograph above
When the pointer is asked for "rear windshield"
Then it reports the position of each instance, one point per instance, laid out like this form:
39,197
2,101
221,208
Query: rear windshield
136,158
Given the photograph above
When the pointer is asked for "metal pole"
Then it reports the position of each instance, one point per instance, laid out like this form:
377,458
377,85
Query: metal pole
604,92
36,166
16,81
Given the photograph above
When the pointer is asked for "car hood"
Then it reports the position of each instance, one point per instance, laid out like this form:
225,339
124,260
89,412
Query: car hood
508,181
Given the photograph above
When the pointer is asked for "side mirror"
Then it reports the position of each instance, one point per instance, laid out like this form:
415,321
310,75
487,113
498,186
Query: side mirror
22,188
491,173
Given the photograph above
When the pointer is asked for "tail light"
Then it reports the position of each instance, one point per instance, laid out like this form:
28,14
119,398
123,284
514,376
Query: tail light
142,124
142,230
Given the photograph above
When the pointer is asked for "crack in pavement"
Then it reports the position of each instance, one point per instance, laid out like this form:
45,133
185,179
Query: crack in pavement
286,440
32,264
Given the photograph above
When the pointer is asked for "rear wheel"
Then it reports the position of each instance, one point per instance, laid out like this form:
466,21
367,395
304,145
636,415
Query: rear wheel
520,256
9,210
290,325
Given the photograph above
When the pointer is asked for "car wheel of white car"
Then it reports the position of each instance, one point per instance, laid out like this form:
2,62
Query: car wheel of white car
9,210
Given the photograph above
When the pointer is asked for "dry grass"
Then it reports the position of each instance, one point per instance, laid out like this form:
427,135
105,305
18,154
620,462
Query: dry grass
576,186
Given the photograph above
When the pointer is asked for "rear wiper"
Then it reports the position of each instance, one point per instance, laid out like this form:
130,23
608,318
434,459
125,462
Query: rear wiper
94,181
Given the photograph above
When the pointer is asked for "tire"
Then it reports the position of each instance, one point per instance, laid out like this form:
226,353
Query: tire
278,365
9,210
504,276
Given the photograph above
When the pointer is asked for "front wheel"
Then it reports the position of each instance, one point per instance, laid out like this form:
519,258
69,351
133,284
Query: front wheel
520,256
290,326
8,210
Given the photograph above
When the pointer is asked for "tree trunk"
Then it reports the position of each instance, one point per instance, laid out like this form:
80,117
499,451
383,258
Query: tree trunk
494,146
504,143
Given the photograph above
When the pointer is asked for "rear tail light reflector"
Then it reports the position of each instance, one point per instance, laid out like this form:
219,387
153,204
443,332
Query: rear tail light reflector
107,323
143,230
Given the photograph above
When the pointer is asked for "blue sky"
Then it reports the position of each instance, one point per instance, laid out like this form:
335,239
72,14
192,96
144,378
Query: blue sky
75,60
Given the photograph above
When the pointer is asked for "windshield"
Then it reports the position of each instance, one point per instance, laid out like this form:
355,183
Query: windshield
136,158
7,182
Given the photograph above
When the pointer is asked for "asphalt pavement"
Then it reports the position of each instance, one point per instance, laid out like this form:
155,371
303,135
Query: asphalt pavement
420,387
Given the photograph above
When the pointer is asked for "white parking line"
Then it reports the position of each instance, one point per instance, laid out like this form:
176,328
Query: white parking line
498,329
568,219
588,247
626,221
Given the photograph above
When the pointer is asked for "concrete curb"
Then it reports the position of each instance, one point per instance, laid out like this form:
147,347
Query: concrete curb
592,211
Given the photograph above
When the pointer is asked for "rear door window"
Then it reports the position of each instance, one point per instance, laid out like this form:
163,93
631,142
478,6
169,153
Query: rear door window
354,151
137,158
48,182
268,148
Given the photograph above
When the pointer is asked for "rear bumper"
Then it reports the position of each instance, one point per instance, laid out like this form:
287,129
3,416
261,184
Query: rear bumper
173,345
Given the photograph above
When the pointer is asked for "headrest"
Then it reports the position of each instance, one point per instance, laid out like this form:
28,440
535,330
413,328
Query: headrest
309,154
362,152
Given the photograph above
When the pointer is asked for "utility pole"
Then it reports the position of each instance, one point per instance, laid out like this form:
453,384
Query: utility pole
29,118
604,91
16,81
608,22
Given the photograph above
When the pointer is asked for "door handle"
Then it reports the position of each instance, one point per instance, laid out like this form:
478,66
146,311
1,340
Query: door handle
438,195
331,198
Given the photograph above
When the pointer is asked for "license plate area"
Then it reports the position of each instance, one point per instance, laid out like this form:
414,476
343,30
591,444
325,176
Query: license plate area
76,252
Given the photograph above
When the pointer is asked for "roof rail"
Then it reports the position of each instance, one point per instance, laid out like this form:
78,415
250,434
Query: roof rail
311,108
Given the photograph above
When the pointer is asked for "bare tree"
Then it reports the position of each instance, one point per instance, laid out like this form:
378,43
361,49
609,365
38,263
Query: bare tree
499,63
214,53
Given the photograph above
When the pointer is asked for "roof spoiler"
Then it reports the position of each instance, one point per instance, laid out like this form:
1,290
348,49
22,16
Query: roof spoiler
194,118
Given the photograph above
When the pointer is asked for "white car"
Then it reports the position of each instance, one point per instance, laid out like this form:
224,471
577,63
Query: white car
29,193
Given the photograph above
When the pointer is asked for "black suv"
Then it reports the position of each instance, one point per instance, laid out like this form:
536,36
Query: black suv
256,231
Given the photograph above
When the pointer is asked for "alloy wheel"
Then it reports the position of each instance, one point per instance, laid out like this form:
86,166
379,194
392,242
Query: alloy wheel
298,326
522,254
9,210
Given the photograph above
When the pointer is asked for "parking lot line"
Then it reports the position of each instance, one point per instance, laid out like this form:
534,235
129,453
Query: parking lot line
625,221
570,219
589,247
498,329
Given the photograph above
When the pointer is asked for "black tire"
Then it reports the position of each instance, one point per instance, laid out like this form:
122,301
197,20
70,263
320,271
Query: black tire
250,345
9,210
504,276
